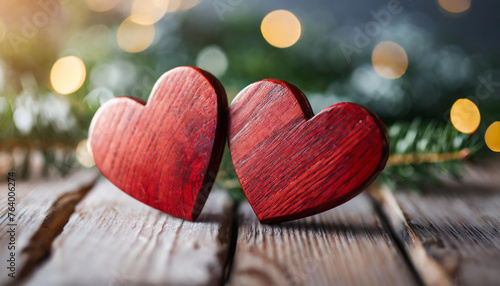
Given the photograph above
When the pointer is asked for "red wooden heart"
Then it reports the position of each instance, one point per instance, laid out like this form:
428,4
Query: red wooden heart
165,153
292,164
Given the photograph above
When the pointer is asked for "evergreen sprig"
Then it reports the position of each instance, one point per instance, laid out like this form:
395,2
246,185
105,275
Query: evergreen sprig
424,152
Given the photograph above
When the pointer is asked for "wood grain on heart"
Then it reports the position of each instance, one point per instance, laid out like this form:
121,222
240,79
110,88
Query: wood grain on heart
292,164
165,153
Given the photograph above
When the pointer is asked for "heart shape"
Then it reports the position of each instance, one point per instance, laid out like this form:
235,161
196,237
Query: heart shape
165,153
292,164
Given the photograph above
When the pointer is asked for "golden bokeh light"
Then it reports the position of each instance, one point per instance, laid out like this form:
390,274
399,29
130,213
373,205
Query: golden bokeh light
84,154
174,5
492,136
133,37
455,6
465,116
389,60
148,12
281,28
101,5
67,75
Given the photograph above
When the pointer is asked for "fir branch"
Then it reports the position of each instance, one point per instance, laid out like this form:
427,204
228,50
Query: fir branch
416,158
424,151
31,144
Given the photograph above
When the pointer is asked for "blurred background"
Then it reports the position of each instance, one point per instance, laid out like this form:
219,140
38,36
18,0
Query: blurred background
409,61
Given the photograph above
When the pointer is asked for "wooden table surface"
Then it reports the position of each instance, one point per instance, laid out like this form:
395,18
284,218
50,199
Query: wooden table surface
81,230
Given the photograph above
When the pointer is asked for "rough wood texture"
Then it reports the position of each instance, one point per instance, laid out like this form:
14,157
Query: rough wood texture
292,164
165,153
113,239
460,231
429,271
347,245
451,233
43,207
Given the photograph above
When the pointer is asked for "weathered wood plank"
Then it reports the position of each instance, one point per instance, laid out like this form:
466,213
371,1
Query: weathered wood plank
113,239
456,230
429,271
36,205
451,233
347,245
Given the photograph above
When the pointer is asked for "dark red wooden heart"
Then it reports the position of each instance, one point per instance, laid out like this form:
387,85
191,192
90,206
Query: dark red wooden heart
292,164
165,153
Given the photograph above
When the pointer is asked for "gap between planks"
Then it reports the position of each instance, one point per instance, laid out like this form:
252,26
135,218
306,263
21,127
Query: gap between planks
112,239
427,269
43,209
451,233
39,246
